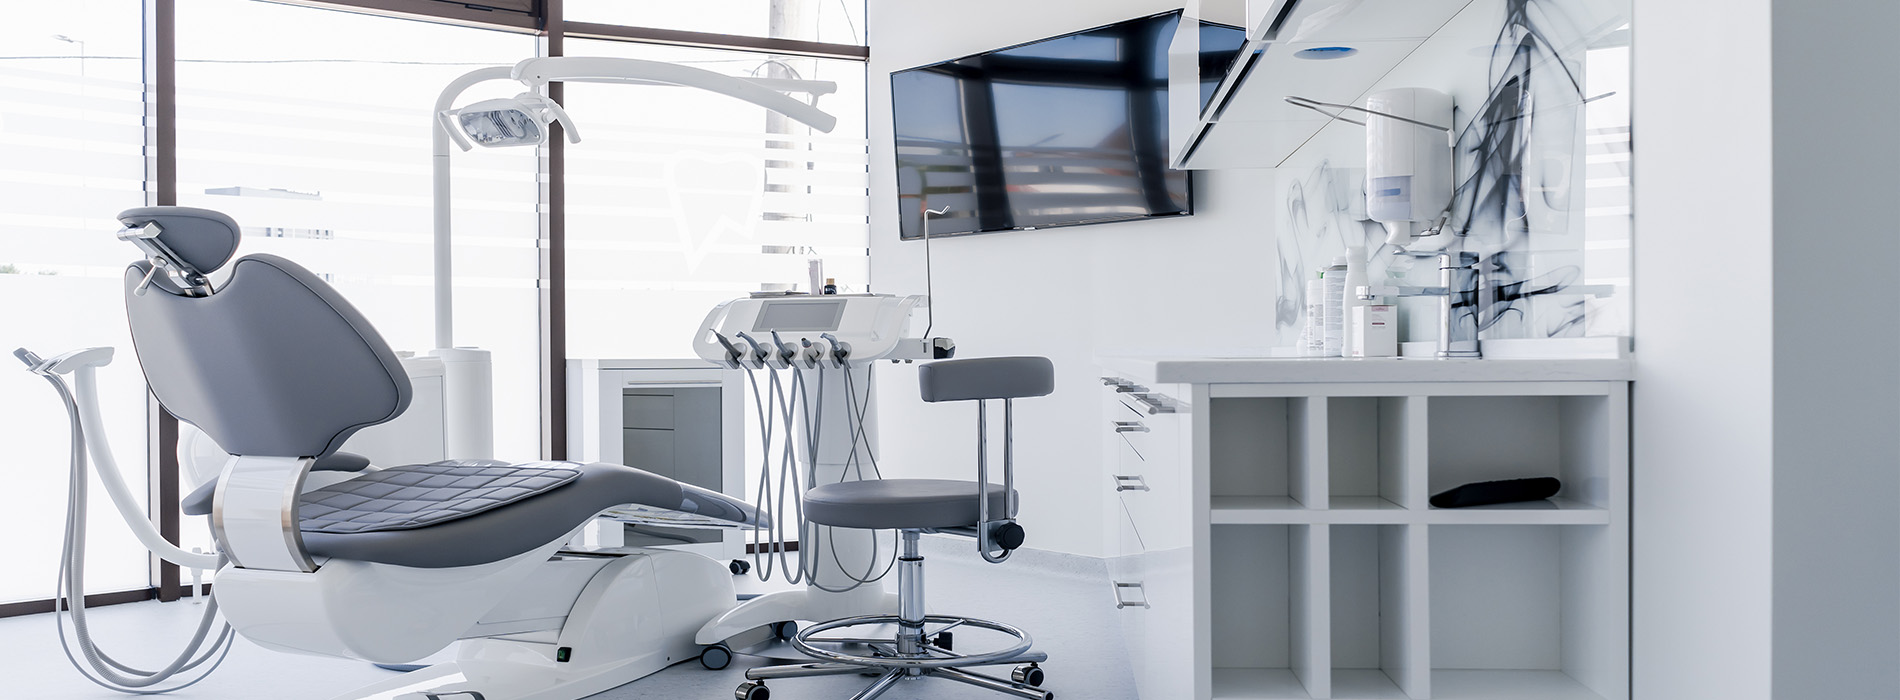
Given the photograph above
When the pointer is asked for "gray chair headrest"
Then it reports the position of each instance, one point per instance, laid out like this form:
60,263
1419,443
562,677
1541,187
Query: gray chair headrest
986,378
202,238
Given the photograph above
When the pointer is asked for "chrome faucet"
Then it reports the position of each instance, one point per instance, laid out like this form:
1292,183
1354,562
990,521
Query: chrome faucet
1457,273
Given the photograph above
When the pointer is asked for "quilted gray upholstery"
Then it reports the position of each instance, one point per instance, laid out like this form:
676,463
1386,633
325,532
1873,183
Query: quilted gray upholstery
526,523
893,504
420,495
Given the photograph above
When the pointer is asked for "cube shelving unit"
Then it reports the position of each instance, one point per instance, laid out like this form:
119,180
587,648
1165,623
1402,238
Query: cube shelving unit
1295,553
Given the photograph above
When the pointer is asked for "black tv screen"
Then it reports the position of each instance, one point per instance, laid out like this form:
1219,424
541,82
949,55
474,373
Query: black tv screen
1067,130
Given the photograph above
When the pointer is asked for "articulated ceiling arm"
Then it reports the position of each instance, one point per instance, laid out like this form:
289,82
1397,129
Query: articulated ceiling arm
589,69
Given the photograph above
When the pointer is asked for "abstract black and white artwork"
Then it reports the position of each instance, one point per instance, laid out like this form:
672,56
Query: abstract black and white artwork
1541,171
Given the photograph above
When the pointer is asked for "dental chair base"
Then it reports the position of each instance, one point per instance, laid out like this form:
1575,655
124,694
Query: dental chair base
786,606
576,626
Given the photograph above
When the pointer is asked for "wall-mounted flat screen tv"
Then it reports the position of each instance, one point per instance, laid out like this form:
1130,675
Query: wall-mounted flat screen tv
1067,130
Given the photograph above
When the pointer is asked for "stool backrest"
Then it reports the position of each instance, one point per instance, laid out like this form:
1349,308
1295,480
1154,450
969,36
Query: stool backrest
982,379
986,378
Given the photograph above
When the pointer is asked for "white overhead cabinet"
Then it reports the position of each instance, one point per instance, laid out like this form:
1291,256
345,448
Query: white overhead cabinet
1277,540
1248,123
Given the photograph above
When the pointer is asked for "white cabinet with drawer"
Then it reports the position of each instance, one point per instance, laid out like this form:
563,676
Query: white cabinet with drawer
1145,430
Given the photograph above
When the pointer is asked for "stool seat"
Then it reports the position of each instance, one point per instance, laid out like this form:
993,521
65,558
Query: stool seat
896,504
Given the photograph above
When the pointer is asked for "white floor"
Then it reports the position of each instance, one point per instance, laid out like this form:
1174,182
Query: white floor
1063,601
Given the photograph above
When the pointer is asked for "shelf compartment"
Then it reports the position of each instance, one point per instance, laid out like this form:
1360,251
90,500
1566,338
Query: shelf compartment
1269,596
1371,444
1509,685
1555,511
1490,438
1516,611
1379,612
1262,447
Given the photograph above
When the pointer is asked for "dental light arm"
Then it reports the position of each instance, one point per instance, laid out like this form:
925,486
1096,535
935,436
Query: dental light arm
83,365
589,69
538,72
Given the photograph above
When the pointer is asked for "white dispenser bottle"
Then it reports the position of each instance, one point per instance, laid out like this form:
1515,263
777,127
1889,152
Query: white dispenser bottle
1335,278
1355,278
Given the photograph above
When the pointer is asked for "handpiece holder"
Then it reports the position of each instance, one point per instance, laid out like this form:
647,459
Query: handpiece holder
1457,271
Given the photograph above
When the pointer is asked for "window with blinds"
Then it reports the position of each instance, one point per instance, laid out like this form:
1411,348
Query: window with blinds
72,144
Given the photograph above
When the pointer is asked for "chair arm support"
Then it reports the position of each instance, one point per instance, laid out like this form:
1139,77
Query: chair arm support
254,513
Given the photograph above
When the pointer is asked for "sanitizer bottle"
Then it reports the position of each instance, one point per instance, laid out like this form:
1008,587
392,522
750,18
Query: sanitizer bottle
1355,278
1335,278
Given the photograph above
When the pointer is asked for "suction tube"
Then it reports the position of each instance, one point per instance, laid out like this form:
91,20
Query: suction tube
69,597
779,402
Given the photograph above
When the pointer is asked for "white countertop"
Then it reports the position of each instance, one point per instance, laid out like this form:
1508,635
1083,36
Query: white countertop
1331,370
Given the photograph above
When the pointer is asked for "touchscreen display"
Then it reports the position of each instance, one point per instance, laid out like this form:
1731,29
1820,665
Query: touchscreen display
787,315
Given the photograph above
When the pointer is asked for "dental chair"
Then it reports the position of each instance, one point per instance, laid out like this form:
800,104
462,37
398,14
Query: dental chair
915,507
394,563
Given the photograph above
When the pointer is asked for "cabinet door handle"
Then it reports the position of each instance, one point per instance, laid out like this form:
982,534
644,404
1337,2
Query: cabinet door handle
1130,482
1121,602
1156,403
1130,426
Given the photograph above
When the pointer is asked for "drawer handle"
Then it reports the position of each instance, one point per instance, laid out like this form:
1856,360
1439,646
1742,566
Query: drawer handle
1121,602
1130,426
1131,388
1156,403
1114,381
1130,482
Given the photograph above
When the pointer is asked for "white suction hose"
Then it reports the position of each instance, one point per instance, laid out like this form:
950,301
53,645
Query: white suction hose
85,386
70,595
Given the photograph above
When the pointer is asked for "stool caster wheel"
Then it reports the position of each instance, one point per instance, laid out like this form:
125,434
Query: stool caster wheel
752,690
715,657
784,630
1030,675
739,567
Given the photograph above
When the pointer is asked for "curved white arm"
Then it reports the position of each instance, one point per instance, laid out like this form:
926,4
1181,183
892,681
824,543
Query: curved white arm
86,394
595,69
535,72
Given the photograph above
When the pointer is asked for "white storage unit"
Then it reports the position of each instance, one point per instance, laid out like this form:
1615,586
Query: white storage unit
682,419
1277,540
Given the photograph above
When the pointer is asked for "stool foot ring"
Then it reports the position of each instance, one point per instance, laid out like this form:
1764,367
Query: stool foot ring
804,639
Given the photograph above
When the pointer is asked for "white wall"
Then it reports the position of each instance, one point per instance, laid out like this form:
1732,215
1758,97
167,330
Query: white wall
1196,284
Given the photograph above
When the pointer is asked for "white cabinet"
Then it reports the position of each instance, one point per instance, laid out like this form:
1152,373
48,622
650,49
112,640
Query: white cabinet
1152,572
1285,546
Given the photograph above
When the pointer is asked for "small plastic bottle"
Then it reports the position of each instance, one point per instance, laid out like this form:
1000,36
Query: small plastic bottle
1313,338
1335,278
1355,278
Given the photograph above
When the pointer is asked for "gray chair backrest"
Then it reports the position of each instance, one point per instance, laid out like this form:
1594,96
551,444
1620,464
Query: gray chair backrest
274,363
983,378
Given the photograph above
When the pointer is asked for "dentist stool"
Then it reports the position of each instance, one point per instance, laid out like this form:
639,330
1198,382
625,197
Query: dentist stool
914,507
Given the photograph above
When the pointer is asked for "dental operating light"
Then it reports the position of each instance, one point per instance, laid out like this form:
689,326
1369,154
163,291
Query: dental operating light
521,120
525,120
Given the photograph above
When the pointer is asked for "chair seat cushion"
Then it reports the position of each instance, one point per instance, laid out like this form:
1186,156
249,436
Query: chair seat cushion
518,526
897,504
420,495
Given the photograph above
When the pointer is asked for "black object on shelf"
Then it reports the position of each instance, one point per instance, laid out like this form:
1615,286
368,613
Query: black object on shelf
1486,493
